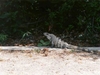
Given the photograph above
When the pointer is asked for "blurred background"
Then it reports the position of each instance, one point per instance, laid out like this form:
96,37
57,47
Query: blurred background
75,21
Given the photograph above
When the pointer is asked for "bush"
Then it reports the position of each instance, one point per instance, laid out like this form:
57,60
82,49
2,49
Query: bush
78,16
3,38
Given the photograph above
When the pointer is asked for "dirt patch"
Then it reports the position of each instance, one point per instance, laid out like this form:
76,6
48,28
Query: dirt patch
60,62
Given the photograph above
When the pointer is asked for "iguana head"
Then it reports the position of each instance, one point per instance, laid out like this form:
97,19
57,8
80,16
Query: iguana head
47,35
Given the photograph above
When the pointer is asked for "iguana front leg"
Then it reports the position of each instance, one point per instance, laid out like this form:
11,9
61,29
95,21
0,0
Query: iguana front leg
52,44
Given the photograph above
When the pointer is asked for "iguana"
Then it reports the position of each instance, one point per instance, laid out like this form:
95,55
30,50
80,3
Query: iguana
57,42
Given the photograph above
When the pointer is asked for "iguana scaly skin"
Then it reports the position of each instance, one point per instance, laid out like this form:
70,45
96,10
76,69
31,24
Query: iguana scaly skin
55,41
52,38
62,44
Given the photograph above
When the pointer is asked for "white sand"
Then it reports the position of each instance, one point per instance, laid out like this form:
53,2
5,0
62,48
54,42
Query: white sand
55,63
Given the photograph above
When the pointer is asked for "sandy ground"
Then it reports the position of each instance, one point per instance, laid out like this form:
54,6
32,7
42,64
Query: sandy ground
52,63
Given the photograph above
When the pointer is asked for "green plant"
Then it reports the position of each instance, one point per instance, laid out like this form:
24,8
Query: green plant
70,27
26,34
3,37
43,43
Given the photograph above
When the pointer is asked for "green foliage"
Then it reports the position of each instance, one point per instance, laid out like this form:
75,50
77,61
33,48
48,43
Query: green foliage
26,34
43,43
3,37
70,27
80,16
